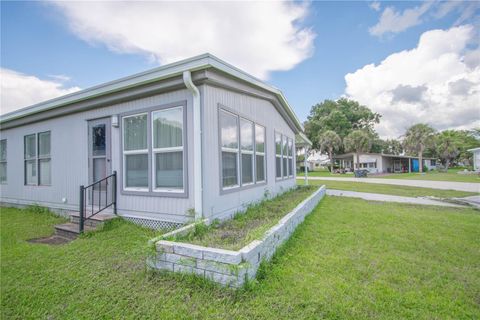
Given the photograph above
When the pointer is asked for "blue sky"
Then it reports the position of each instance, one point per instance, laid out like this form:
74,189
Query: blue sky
38,39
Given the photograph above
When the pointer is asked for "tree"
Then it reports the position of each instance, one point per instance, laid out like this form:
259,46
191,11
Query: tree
392,146
341,116
329,141
357,141
447,146
417,138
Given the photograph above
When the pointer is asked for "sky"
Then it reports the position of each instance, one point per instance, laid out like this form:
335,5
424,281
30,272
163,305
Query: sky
409,61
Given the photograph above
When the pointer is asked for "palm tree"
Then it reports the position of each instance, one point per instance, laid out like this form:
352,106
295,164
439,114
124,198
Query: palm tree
329,141
417,138
357,141
447,146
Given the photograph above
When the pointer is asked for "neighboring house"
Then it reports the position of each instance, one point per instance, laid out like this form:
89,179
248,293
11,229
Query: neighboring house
382,163
476,158
194,139
316,160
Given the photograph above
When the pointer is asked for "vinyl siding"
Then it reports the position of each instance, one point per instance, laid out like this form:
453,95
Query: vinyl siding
69,153
218,204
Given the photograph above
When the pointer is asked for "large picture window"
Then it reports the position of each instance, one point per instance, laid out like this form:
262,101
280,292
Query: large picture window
154,138
167,130
290,157
135,152
260,153
229,145
278,155
3,161
247,142
37,159
242,151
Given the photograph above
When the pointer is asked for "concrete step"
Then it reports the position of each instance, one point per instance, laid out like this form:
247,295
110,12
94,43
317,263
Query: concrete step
70,230
94,221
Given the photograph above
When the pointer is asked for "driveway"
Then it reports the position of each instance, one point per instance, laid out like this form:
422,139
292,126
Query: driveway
444,185
389,198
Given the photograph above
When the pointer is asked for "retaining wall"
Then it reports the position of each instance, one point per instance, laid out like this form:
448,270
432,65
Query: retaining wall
227,267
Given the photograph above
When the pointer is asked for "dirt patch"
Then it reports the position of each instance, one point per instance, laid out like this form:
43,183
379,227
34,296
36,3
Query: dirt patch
52,240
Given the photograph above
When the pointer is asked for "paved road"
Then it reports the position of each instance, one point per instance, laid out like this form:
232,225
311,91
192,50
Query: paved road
444,185
389,198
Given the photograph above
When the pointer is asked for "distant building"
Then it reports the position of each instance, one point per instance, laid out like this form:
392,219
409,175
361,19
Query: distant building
476,158
382,163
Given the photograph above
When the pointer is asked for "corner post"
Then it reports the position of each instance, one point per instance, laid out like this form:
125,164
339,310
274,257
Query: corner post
81,209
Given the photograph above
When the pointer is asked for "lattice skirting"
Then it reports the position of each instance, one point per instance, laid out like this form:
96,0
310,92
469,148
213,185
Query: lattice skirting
154,224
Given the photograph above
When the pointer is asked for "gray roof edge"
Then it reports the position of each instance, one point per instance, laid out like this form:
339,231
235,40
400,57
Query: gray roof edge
199,62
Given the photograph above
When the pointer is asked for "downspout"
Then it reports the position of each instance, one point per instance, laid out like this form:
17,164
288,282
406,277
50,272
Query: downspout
197,145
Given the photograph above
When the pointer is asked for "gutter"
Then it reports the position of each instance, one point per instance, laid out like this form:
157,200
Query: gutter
197,145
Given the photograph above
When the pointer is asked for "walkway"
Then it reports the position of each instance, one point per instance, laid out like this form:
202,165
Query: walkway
390,198
444,185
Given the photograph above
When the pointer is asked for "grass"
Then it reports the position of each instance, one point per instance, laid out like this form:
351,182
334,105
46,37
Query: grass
350,259
246,227
396,190
451,175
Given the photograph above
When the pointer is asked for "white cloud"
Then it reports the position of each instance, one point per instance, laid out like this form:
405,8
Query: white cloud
375,5
392,21
18,90
259,37
433,83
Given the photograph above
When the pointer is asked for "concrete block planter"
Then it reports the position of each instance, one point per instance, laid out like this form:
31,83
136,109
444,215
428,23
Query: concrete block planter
227,267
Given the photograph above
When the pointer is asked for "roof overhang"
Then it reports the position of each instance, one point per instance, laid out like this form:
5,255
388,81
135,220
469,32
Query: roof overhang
175,69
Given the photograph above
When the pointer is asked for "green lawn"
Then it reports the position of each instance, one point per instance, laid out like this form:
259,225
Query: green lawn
451,175
350,259
405,191
236,233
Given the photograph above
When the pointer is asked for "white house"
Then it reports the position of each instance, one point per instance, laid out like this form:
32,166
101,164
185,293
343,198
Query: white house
383,163
476,158
197,138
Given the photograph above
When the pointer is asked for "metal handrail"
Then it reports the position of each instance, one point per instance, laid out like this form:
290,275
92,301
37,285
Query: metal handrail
83,200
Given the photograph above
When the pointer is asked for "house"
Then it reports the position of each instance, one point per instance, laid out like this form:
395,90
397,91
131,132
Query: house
382,163
194,139
476,158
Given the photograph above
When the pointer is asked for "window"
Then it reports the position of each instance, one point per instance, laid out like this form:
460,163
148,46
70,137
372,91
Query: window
278,155
3,161
44,160
229,146
290,157
153,151
283,156
37,159
135,152
260,153
242,148
167,130
246,143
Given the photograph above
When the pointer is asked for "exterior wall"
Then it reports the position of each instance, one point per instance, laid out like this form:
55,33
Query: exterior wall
69,162
217,204
370,158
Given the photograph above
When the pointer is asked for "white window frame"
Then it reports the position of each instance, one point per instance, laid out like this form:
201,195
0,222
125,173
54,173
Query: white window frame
155,151
5,161
260,153
125,153
278,134
230,150
285,154
245,151
37,159
290,157
240,185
